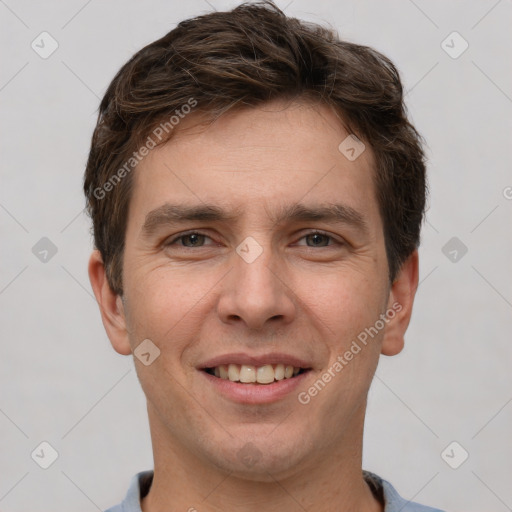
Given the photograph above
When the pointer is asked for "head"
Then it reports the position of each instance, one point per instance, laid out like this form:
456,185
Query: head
241,136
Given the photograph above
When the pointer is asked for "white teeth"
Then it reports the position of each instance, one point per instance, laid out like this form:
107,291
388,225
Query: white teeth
223,370
279,372
265,374
247,373
234,372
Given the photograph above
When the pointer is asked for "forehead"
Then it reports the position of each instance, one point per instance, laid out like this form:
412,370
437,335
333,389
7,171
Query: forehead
259,161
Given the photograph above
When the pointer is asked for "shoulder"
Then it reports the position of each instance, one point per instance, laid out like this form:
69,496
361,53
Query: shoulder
393,502
139,487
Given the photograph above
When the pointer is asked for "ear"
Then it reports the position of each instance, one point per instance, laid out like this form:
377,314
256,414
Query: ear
111,305
401,299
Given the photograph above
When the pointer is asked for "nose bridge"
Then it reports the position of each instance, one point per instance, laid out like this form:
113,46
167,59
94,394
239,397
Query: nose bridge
253,267
255,293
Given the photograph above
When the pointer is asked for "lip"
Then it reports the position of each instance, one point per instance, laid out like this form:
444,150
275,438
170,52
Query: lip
254,393
255,360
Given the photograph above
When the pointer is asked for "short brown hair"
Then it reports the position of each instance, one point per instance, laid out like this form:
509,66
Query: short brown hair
243,58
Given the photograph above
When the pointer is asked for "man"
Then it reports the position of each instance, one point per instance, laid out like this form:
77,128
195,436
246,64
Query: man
257,193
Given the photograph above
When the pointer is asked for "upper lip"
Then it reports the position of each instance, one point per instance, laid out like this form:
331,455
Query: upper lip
259,360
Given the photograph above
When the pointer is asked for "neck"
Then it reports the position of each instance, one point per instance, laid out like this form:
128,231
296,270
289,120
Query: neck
329,481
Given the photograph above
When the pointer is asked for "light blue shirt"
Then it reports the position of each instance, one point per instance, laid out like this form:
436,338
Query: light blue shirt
393,502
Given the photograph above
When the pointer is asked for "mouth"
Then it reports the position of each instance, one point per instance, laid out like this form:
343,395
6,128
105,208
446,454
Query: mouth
251,374
251,379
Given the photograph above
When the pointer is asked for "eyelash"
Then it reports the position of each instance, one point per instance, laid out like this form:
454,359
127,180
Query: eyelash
189,233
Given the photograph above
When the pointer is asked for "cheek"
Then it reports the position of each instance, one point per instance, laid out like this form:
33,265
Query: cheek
169,307
158,303
345,302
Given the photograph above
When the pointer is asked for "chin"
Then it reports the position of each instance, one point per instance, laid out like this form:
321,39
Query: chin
258,458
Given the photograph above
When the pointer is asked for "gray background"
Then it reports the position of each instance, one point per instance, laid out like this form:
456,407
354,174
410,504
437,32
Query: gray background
62,382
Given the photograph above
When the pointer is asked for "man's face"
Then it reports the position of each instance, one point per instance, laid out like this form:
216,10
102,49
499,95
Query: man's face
255,288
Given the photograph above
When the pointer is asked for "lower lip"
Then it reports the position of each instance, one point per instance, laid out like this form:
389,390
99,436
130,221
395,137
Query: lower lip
256,393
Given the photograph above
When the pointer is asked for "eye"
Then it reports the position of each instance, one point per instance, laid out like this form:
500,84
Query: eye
318,239
196,239
191,239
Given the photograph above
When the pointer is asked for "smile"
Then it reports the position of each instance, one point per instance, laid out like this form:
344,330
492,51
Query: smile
247,374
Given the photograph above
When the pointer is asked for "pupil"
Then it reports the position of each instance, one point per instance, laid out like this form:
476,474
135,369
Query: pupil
193,238
317,238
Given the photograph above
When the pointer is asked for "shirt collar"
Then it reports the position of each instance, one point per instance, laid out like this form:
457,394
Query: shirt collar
383,490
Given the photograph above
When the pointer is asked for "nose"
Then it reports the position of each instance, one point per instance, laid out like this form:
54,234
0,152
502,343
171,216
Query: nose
257,293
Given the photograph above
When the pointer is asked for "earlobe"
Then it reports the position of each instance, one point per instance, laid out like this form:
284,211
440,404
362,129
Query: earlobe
400,304
111,305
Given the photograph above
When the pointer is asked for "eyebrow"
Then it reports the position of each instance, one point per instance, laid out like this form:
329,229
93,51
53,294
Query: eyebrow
170,214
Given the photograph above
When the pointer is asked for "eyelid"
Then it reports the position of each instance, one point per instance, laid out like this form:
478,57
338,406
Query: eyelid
177,236
311,231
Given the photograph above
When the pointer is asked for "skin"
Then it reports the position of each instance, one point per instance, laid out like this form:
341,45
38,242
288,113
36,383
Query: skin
299,298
